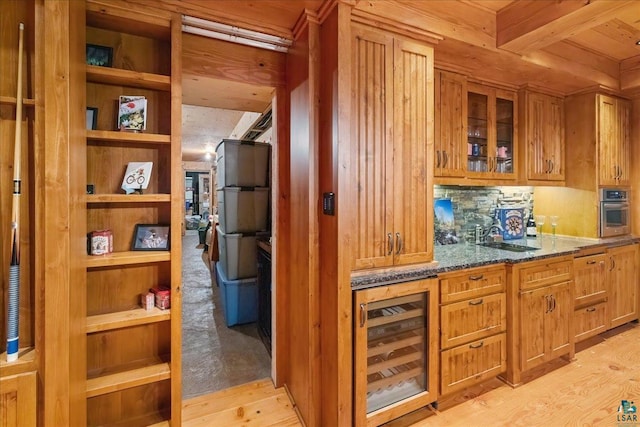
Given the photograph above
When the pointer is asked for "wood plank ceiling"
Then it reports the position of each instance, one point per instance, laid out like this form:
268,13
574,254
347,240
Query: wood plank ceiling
559,46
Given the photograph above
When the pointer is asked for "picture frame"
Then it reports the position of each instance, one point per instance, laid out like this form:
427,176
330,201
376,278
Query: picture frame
136,177
92,118
151,237
102,56
132,113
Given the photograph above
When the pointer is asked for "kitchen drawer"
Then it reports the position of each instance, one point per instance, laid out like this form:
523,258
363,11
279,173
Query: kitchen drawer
590,321
471,320
471,283
545,274
590,279
472,363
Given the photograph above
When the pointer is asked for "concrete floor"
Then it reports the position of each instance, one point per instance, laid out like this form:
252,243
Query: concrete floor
214,356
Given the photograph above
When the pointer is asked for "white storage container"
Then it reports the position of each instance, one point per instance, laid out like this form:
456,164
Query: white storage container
242,163
238,254
242,209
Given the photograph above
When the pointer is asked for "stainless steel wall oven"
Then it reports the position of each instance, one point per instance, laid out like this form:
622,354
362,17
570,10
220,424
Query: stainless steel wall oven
614,212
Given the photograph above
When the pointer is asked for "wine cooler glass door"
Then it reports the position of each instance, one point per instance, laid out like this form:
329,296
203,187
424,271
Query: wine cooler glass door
396,349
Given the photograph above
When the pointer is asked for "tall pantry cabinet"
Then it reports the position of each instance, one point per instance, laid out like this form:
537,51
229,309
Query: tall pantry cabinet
133,362
392,134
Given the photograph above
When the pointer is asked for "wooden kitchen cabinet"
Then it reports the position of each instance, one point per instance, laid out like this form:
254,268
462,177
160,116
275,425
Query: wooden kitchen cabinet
540,304
542,135
18,397
450,124
599,127
473,323
590,316
395,350
623,284
613,140
393,146
491,132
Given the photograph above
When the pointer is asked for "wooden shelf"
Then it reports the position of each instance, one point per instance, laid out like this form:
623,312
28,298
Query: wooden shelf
384,320
133,137
128,198
124,319
127,379
26,362
11,100
127,258
134,79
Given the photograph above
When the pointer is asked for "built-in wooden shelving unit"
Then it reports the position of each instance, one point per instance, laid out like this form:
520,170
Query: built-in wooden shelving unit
127,258
128,78
128,379
128,198
117,136
123,319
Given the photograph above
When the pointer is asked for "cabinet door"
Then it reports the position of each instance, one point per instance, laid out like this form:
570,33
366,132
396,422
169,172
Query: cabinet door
558,320
374,236
544,137
18,397
450,124
396,350
491,133
413,151
590,279
613,140
534,306
623,279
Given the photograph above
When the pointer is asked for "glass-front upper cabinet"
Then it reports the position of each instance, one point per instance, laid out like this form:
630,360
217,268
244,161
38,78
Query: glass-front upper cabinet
491,148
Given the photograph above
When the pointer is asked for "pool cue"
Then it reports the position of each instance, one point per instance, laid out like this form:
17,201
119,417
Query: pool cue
13,314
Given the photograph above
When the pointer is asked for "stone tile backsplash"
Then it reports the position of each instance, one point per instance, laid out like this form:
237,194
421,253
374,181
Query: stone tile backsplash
473,206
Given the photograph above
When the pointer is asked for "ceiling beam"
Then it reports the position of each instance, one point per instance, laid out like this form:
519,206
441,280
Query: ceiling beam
575,61
630,74
529,25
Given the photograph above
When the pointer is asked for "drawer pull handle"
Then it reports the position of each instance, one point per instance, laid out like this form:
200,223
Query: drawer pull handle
590,262
363,315
480,344
591,309
399,243
478,302
479,277
389,243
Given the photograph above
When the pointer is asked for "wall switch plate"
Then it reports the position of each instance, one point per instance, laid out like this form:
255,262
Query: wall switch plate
328,203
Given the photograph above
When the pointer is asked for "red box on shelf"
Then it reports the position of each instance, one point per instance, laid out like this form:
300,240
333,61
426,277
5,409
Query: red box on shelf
163,296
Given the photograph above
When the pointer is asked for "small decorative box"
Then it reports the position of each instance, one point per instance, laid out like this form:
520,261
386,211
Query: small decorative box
162,296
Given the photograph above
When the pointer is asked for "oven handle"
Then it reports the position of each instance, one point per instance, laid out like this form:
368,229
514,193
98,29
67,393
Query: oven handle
615,205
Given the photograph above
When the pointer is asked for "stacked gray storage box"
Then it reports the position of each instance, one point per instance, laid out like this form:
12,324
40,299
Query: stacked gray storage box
242,182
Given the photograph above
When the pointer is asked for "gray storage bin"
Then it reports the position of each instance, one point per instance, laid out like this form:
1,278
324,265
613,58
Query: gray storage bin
242,163
242,209
238,254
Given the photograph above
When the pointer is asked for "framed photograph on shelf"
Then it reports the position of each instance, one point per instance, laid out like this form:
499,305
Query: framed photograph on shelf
151,237
136,177
101,56
132,113
92,118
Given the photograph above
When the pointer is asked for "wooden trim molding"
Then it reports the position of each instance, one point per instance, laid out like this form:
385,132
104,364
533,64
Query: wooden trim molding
394,26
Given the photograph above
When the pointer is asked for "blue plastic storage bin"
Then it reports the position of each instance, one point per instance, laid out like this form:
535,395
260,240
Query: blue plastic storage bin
239,298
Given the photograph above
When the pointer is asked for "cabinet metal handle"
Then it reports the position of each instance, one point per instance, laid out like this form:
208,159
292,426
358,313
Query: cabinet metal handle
437,158
478,345
479,277
478,302
553,303
552,166
613,264
445,159
591,309
548,304
390,243
398,243
363,314
619,172
590,262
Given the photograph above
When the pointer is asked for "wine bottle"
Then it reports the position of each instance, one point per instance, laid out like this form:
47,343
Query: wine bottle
531,226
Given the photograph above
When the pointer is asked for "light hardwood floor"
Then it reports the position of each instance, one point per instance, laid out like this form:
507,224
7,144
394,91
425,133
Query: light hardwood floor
585,392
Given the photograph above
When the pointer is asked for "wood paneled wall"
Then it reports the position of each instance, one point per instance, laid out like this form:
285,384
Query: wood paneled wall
304,322
335,259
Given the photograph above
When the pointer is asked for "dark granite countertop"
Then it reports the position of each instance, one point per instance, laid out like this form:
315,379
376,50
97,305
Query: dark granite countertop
466,255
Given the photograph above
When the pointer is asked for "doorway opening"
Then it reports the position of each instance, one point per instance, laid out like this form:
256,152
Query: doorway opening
224,342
